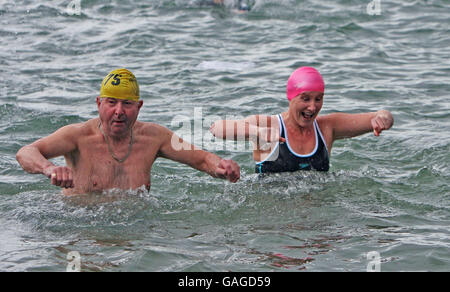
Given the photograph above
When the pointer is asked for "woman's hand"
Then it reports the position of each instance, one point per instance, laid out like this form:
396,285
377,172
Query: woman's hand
383,120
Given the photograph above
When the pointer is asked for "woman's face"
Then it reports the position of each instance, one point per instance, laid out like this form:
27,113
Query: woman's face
305,107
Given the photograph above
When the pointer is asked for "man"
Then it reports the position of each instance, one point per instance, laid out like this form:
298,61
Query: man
115,151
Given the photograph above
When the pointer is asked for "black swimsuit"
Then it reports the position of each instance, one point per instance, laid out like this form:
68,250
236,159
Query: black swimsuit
283,158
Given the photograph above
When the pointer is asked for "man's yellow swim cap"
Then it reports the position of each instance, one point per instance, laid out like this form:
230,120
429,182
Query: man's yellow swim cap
120,84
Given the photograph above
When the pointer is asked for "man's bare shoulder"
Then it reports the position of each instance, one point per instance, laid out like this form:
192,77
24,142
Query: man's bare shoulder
84,128
150,129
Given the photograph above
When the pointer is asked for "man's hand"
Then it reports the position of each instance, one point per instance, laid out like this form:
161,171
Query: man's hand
383,120
60,176
228,169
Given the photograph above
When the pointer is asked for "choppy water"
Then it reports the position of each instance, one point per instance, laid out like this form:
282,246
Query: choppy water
389,194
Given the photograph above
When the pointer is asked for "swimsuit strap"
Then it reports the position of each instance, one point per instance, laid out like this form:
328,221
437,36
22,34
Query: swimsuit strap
282,131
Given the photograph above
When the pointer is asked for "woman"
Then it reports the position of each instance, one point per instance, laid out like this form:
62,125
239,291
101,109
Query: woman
300,139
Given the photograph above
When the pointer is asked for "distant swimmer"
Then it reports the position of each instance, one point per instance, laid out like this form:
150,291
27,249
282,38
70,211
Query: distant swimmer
241,5
300,139
115,151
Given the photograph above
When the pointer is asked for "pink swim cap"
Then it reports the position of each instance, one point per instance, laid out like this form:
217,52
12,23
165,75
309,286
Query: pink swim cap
304,79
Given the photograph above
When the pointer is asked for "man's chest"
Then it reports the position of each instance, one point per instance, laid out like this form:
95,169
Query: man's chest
97,167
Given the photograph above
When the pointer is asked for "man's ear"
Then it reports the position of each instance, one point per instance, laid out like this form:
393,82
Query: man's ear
98,101
140,103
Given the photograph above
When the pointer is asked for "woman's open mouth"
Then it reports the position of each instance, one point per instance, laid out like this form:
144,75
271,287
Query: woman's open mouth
307,115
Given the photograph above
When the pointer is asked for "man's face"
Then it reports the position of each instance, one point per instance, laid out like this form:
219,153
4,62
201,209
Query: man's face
118,115
306,107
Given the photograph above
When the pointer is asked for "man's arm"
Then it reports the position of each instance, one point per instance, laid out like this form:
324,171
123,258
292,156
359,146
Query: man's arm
175,148
350,125
34,157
